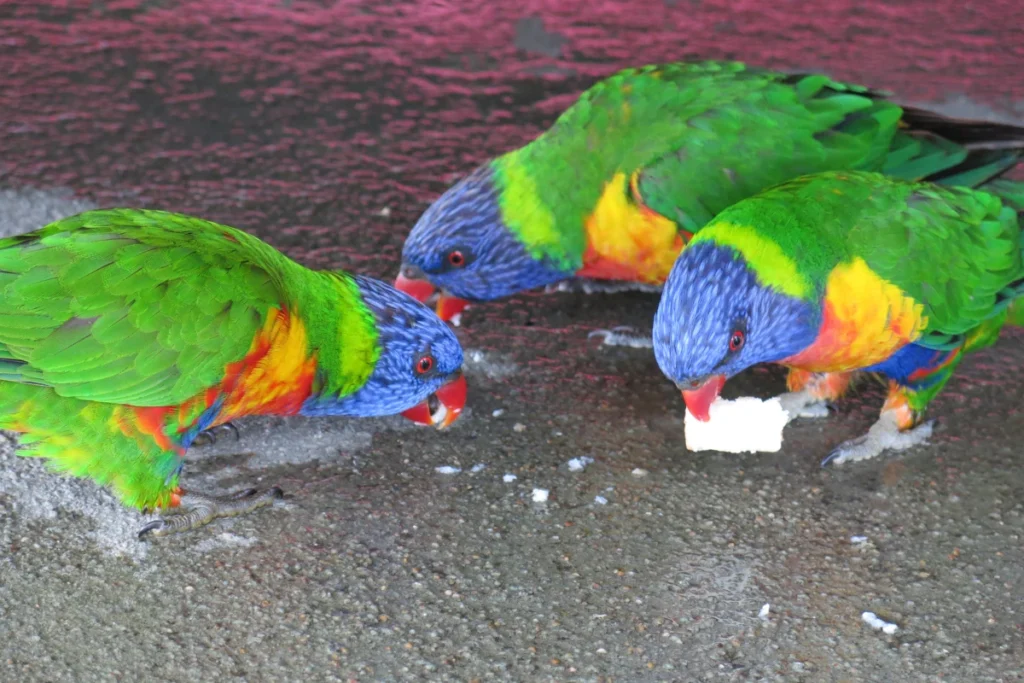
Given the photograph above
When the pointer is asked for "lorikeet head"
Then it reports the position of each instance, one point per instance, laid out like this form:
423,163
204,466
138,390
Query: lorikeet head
461,246
419,370
716,319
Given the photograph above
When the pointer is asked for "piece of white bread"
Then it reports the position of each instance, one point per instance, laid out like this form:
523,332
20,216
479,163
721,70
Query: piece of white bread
746,425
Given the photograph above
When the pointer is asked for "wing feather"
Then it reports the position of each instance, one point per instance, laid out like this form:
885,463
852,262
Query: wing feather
136,307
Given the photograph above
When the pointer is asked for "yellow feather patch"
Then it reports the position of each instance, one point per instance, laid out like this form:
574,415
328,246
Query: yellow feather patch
278,371
865,320
774,268
523,213
626,240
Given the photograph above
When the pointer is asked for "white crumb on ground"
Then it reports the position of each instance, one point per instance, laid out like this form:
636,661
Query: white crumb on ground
857,540
479,467
540,495
509,478
577,464
765,609
872,620
745,425
447,469
488,364
600,500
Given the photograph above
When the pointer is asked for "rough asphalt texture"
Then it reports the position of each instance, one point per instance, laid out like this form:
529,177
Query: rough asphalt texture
325,128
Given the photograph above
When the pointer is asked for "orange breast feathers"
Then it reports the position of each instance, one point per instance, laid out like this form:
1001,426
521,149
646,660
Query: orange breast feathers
276,375
865,320
626,240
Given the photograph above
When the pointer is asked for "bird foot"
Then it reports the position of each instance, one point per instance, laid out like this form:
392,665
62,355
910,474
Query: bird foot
803,404
209,436
623,336
203,509
883,435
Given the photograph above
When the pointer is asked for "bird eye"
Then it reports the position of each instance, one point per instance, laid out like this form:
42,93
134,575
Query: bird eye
737,340
424,365
456,259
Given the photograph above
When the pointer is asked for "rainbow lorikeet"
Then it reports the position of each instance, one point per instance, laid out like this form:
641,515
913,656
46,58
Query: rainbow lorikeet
126,333
626,175
843,272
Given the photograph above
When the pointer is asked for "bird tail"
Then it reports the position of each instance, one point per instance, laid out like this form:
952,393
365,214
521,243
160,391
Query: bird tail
952,151
90,440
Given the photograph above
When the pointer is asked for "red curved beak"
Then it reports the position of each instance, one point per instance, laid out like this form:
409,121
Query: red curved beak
442,407
699,400
418,289
447,307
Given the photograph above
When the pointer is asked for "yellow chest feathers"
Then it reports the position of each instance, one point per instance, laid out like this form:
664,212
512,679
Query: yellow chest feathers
865,320
626,240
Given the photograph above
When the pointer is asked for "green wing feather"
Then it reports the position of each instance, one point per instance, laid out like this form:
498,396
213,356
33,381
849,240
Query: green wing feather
144,308
957,251
767,128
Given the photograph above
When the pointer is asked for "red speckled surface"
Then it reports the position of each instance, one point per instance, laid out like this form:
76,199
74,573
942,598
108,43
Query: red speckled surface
301,120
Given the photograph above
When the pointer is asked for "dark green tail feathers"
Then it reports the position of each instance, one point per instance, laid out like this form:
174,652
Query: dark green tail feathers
951,151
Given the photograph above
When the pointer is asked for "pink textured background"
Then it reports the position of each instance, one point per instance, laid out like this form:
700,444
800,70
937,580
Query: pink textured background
301,121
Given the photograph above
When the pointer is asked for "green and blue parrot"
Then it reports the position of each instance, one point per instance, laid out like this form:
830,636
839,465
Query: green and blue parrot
839,273
124,334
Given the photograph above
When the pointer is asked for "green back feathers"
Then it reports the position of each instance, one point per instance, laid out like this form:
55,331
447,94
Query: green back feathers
677,122
958,251
147,308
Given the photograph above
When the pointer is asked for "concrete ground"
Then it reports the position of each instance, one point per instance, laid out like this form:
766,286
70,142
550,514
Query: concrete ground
326,129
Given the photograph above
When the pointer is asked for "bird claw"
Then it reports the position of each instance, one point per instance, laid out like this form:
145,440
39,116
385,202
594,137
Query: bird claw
799,404
209,436
203,509
818,409
623,336
883,435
